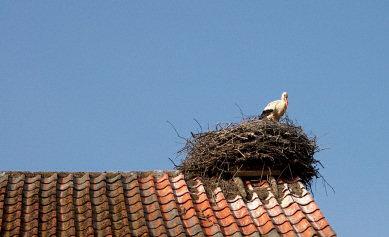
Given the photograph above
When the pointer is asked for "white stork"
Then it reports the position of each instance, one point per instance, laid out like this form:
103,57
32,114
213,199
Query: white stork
275,109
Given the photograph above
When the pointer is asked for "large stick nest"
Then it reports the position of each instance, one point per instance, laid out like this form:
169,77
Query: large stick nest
253,144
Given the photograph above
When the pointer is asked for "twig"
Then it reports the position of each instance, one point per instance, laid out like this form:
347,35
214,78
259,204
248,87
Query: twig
201,128
175,130
325,182
240,110
175,166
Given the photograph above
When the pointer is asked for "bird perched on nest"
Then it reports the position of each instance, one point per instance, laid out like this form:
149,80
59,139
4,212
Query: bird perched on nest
275,109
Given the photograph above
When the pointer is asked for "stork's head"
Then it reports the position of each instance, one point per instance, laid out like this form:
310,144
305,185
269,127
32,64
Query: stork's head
284,97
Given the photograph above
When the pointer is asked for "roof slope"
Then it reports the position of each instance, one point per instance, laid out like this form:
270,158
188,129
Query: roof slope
150,204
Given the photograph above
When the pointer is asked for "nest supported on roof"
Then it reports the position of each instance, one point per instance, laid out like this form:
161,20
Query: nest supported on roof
281,150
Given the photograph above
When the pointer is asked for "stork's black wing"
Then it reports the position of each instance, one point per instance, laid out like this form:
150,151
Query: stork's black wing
266,113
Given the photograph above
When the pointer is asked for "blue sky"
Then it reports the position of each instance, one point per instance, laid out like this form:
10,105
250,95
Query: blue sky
89,86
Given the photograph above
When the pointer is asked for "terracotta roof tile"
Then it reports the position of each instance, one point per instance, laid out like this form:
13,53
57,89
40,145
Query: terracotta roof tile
151,204
83,206
151,207
185,207
224,215
168,207
242,217
134,205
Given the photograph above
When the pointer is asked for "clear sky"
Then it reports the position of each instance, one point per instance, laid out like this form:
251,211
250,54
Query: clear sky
89,86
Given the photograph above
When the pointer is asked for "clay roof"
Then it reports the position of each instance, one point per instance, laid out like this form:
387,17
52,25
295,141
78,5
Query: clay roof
151,204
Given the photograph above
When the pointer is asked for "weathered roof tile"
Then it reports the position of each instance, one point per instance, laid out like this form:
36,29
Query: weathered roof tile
151,204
